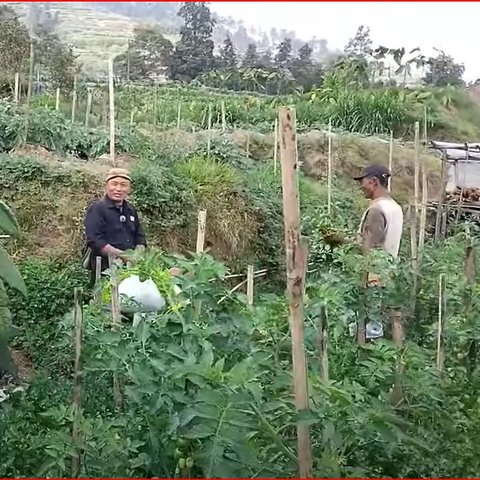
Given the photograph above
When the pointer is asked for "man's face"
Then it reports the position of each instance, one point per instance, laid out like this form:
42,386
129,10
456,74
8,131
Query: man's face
118,189
368,186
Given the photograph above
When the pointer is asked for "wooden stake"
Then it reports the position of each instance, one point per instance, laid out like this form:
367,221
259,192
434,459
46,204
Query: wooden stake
329,170
74,98
77,382
97,296
416,177
247,146
116,322
323,344
275,147
17,86
30,74
111,94
441,312
250,285
296,263
202,223
224,122
209,138
390,161
89,107
179,113
441,196
131,117
57,99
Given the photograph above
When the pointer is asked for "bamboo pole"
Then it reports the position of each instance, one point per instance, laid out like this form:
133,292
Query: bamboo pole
323,341
275,147
329,170
111,93
30,74
441,196
250,285
89,107
74,98
57,99
423,212
202,223
131,116
116,322
77,382
97,297
247,146
17,87
179,113
224,122
441,313
209,138
296,262
390,161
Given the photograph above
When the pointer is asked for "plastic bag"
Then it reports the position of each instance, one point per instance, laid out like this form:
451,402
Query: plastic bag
141,297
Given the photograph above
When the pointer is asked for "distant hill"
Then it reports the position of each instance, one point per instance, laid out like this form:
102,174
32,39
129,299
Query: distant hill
97,30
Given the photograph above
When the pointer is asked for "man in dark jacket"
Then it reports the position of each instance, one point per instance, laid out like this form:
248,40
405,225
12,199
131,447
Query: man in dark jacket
111,224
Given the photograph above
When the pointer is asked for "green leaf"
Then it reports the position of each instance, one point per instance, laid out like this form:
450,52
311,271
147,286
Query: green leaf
9,273
8,222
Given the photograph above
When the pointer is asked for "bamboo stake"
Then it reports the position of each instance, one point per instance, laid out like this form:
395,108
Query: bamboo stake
57,99
179,113
131,117
202,222
89,107
30,74
224,122
77,382
250,285
329,170
441,312
323,337
296,262
423,212
97,297
417,168
441,195
74,98
111,94
275,147
247,146
209,138
390,161
116,321
17,86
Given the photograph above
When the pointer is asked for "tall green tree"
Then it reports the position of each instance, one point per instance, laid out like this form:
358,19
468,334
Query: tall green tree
193,54
304,70
148,55
284,53
228,55
251,58
442,70
14,43
360,46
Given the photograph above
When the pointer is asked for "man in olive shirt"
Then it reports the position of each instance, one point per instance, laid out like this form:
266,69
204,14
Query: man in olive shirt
381,225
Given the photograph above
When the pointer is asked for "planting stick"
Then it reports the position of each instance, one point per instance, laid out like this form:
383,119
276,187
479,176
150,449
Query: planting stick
116,322
131,117
247,146
224,122
416,177
423,212
17,86
74,98
441,312
89,107
30,74
390,161
329,170
425,128
250,285
202,222
111,94
296,255
179,112
77,381
97,297
441,196
275,147
323,343
209,138
57,99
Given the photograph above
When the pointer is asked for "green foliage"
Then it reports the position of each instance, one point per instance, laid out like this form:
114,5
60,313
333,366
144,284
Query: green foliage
442,70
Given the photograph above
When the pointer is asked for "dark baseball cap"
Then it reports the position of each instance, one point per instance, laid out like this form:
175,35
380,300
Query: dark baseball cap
378,171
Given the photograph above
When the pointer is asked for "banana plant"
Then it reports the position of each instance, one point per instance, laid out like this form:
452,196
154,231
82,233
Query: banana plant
10,276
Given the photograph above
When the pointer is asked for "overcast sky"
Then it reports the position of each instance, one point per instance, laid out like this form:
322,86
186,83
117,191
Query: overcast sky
449,26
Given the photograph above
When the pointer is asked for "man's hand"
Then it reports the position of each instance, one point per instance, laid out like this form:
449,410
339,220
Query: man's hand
175,272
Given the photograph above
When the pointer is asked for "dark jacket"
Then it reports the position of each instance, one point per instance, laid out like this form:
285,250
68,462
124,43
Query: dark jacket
108,224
